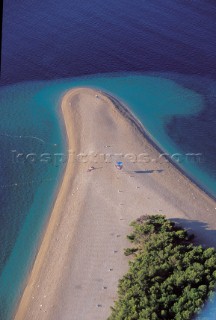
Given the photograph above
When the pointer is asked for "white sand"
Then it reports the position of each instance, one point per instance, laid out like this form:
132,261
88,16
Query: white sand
81,258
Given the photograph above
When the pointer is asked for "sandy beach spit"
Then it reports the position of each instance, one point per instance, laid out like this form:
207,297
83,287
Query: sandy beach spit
80,259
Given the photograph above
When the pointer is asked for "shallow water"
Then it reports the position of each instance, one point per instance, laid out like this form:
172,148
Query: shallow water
26,187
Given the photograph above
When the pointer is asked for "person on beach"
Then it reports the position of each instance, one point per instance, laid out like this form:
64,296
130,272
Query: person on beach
119,165
91,168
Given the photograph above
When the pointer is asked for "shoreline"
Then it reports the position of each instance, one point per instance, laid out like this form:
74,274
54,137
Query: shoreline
45,237
139,126
117,113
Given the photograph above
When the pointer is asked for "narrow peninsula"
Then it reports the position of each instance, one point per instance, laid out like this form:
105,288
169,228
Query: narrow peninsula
81,256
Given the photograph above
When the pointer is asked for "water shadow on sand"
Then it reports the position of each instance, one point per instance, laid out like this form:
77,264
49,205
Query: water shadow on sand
148,171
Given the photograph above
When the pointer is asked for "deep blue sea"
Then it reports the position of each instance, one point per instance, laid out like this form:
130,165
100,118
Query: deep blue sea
156,56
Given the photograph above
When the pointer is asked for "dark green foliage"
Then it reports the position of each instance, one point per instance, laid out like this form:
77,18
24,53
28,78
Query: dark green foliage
169,277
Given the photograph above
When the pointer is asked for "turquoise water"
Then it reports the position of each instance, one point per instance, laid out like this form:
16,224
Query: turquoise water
209,311
27,125
28,188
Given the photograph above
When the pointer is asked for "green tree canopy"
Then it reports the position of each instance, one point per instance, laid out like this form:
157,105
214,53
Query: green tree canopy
169,277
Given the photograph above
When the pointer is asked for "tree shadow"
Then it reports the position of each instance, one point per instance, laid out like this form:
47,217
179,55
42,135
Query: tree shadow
204,235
